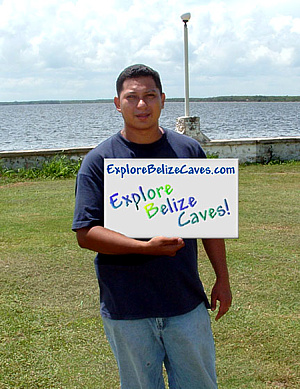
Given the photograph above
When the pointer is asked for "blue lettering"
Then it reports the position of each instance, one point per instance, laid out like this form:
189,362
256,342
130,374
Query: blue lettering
113,201
180,223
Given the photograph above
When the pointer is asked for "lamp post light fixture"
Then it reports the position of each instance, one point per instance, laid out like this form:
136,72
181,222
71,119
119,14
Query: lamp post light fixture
185,18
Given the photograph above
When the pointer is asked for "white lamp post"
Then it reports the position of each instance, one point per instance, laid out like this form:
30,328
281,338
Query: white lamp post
185,18
186,124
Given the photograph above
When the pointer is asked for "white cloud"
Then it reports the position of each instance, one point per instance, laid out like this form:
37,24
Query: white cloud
48,46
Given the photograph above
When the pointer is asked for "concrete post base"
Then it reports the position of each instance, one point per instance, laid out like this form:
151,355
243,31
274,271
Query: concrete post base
190,126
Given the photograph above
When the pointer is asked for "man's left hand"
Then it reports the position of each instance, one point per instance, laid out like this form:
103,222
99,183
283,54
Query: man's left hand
221,292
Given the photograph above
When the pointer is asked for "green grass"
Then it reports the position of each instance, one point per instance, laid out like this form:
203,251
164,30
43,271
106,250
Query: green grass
258,342
51,335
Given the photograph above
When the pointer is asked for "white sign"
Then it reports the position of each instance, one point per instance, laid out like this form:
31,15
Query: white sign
188,198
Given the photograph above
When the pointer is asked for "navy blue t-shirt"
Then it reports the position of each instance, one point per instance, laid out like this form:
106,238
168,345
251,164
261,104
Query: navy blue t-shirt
138,286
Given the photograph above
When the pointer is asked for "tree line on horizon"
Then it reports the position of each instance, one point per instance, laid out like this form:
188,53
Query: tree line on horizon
256,98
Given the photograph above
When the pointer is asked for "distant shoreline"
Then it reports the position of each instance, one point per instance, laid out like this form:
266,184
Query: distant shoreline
257,98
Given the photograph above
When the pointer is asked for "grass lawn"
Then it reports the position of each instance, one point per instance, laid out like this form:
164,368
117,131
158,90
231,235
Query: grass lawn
51,334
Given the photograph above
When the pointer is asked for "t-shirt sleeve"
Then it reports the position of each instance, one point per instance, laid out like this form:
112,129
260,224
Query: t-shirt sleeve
88,202
197,151
89,208
185,146
201,153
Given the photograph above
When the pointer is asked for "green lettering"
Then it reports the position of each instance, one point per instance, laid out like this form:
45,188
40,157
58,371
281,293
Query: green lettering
168,189
195,218
212,213
151,210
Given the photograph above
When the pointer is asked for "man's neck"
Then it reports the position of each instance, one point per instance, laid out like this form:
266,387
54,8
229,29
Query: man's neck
142,136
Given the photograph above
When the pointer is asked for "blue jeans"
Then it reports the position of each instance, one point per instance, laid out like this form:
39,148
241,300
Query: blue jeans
184,344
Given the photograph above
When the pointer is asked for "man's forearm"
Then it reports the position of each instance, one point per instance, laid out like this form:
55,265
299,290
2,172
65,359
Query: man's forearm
105,241
215,249
216,252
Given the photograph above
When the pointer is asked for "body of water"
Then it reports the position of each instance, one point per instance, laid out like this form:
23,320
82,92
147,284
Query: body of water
46,126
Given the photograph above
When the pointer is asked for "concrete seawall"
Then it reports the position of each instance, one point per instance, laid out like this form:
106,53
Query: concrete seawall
261,150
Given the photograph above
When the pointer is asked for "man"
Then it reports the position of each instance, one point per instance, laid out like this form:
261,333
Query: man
152,302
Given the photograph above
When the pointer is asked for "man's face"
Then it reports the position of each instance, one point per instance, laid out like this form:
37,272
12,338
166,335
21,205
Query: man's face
140,103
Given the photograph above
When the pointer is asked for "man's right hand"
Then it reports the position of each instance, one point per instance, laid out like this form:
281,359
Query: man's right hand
160,245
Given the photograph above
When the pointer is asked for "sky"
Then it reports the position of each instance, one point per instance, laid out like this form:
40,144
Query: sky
75,49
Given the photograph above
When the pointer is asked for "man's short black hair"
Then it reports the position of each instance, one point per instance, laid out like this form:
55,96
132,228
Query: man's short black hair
136,71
